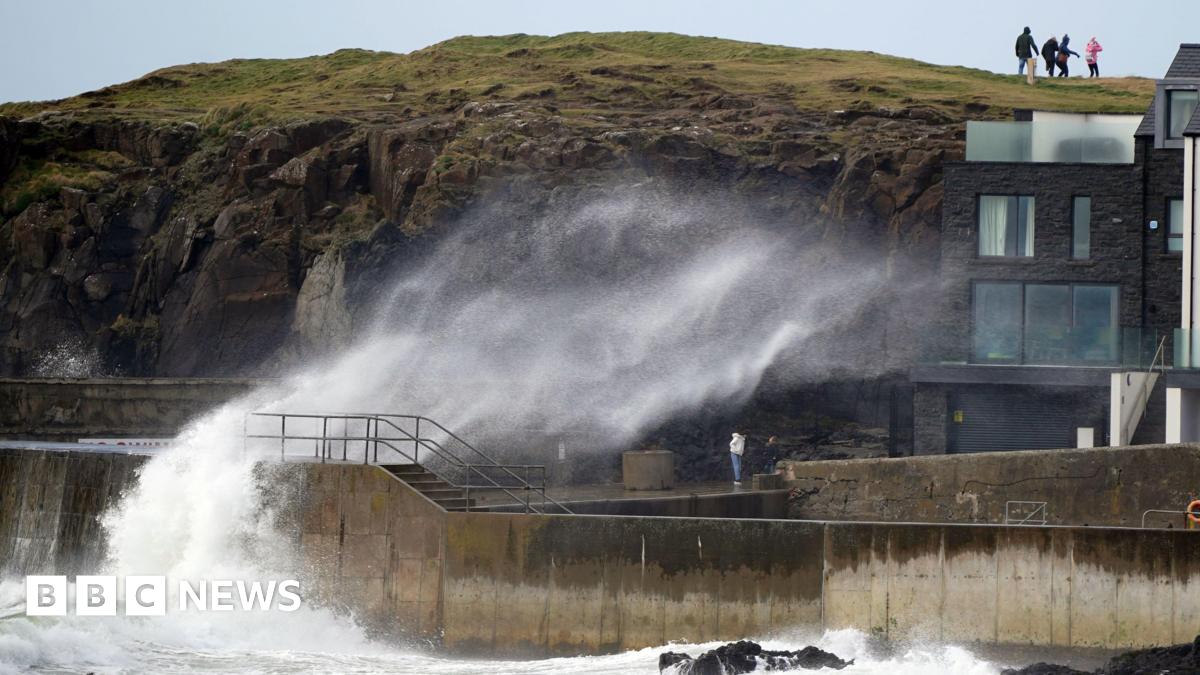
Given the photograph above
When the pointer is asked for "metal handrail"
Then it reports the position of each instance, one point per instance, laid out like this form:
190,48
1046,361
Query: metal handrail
427,443
323,447
1143,399
1174,513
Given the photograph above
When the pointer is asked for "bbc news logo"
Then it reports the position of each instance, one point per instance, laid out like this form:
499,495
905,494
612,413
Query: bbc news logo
147,596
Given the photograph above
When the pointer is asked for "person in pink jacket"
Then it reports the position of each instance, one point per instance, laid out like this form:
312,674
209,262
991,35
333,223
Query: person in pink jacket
1090,54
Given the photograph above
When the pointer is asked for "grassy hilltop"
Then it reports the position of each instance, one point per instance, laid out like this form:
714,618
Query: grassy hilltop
220,219
623,72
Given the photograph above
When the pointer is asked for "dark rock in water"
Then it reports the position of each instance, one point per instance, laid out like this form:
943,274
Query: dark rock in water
1174,660
745,656
1043,669
668,659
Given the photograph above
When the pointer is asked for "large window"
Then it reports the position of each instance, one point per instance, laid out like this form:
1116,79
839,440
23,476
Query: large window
1180,106
1081,228
998,322
1005,226
1046,324
1175,225
1094,323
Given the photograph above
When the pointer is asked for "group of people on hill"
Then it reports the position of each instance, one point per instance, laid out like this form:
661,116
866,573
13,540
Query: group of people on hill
1057,54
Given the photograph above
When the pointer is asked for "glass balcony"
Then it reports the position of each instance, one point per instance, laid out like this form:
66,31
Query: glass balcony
1129,347
1181,355
1106,141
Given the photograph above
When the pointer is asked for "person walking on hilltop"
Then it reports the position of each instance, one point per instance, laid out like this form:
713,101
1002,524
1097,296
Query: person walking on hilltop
1026,51
1064,55
737,447
1091,54
1050,54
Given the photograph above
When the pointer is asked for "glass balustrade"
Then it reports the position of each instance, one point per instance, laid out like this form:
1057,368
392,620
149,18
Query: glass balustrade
1105,141
1130,347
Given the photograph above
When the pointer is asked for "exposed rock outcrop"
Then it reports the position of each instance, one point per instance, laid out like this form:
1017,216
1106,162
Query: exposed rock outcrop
1173,660
747,657
240,252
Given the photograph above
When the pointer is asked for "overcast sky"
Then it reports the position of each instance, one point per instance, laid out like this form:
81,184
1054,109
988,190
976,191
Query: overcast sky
57,48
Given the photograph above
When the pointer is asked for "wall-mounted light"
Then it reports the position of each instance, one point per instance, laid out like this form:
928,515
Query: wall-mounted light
1154,224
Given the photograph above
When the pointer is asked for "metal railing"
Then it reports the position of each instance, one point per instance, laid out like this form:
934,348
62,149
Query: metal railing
1187,515
1030,518
1138,411
479,472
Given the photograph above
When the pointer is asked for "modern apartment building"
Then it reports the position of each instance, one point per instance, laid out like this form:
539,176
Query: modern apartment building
1063,241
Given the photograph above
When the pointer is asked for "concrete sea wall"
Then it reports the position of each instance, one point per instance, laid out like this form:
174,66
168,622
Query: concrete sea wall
69,409
1096,486
542,585
1070,587
560,585
50,503
371,545
749,504
533,585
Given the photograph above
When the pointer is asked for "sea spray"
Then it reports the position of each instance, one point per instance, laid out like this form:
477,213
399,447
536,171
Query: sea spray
611,315
605,316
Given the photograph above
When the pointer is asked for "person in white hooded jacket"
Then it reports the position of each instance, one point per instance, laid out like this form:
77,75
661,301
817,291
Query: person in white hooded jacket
737,447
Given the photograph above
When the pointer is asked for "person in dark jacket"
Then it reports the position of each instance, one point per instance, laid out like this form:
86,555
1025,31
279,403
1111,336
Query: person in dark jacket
1050,54
1026,49
1064,55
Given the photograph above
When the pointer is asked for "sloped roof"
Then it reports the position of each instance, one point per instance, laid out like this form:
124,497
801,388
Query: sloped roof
1146,128
1193,127
1186,65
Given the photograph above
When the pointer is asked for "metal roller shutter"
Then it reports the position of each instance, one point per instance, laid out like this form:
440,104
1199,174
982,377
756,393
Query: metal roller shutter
1002,420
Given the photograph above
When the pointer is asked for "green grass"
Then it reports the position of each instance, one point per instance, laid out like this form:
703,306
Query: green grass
615,71
38,179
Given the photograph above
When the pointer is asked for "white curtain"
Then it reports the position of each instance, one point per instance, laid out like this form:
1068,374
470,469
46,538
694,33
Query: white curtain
993,224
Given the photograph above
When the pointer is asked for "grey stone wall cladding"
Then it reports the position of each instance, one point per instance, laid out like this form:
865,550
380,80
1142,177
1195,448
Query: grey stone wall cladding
1163,270
1116,244
930,407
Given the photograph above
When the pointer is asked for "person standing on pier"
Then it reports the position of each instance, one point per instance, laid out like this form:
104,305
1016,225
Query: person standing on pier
773,448
737,447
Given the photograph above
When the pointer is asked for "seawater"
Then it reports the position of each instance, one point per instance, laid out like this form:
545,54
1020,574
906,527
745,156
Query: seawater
188,644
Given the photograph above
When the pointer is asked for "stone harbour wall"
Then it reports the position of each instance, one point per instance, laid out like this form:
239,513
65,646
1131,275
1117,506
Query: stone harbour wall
70,409
1096,486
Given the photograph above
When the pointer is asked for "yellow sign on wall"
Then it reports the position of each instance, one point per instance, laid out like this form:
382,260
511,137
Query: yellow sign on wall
958,416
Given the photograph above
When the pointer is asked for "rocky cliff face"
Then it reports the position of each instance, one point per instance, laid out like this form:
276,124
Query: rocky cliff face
172,250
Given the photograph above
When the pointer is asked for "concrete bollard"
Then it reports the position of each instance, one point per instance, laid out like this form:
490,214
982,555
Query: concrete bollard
648,470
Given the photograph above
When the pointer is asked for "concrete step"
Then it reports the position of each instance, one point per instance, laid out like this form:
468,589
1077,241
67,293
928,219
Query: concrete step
424,481
404,469
442,493
455,504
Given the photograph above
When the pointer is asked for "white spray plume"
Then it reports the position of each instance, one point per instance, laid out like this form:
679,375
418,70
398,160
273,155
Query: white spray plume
608,316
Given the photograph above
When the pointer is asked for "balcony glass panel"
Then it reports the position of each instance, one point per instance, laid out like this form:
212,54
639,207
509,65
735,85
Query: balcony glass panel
1088,141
